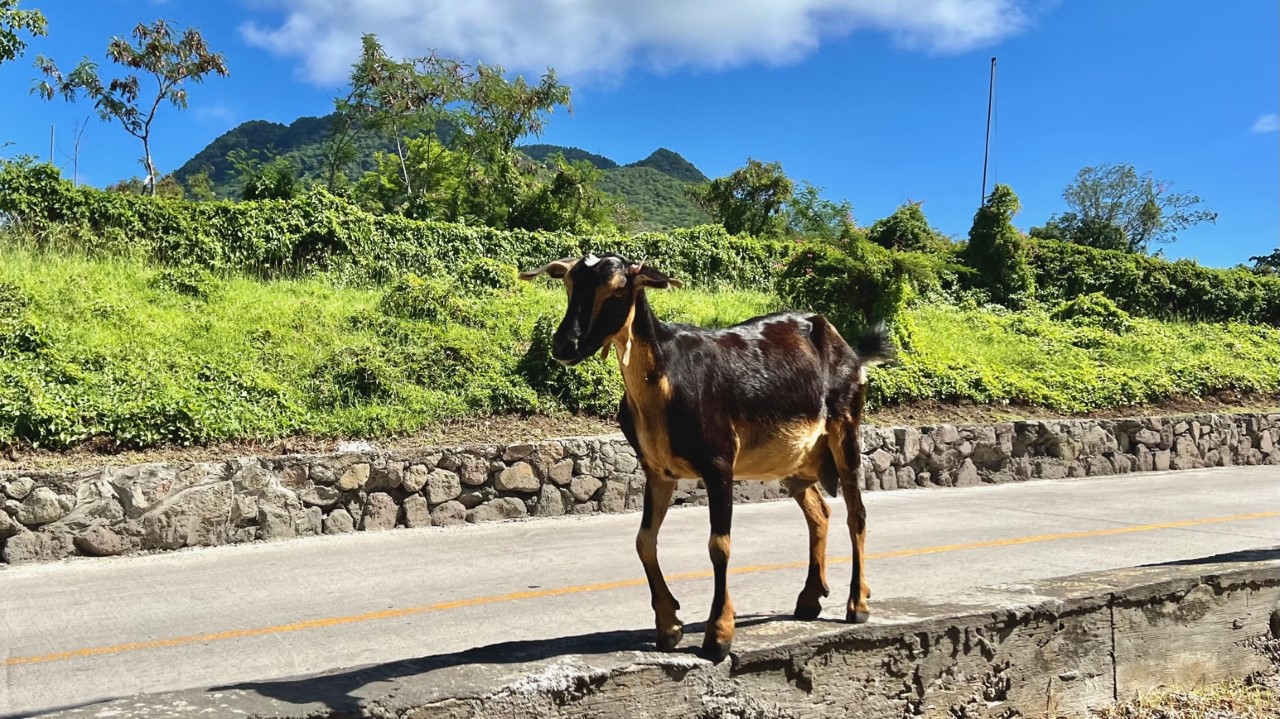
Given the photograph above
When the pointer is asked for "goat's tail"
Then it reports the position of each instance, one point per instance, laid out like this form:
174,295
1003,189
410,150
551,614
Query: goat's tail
875,347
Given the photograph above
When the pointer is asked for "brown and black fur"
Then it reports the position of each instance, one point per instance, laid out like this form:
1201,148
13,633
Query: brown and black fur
775,397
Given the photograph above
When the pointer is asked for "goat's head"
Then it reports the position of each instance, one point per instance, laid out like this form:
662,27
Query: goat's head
602,297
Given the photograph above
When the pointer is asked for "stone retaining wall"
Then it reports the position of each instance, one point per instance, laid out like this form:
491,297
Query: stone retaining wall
99,512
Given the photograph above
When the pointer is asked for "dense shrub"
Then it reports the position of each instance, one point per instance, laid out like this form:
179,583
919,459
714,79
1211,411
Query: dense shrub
997,251
592,386
1096,310
320,231
906,229
1152,287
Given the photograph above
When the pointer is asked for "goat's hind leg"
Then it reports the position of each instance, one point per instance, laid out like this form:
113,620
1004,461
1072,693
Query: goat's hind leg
816,515
657,498
843,440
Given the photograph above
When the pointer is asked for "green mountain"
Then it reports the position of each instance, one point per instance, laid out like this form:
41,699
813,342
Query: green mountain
654,186
572,154
671,163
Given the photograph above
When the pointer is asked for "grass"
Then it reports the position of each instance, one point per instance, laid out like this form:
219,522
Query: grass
1226,700
126,354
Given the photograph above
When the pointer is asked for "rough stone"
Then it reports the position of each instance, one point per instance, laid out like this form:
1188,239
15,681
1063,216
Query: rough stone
195,516
583,487
881,460
8,525
310,521
19,488
614,498
1160,460
448,514
416,476
514,452
550,502
1185,453
275,522
385,478
380,512
319,495
906,478
416,511
27,547
519,477
339,521
442,486
40,507
967,475
474,471
1265,443
354,478
100,541
1147,437
561,472
500,508
473,497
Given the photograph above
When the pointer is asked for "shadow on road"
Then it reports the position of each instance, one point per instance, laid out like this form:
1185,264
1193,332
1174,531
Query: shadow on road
341,692
1244,555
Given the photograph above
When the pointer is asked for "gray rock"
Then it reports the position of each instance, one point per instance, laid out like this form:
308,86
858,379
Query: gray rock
294,476
319,495
614,498
19,488
27,547
908,441
474,471
40,507
500,508
380,513
310,521
881,460
561,472
1265,443
550,503
415,477
7,525
906,478
1099,466
1161,460
967,475
1048,468
550,451
449,513
514,452
584,487
583,509
385,478
416,511
93,511
339,521
1185,453
946,434
356,476
592,465
625,463
442,486
519,477
275,522
100,541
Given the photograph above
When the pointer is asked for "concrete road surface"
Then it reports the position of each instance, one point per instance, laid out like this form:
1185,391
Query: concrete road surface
82,631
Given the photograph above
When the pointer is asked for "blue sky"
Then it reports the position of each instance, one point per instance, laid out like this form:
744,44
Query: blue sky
876,101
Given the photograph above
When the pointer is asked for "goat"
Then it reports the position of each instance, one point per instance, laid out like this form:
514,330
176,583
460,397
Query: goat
776,397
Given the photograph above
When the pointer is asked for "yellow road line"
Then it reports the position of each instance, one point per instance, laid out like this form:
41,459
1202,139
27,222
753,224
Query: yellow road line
603,586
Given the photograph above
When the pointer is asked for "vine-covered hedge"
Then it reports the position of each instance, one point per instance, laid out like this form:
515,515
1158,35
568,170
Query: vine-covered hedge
324,232
1152,287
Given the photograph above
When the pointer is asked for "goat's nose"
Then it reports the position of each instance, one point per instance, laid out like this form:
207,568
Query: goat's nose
563,347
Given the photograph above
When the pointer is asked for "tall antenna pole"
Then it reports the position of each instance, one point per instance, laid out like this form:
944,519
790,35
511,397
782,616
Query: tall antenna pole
986,151
51,126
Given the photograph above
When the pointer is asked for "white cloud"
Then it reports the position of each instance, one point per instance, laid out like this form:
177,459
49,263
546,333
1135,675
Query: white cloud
602,38
1267,123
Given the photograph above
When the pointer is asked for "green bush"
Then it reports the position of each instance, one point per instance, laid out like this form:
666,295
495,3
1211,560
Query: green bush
1096,310
318,231
593,386
907,230
485,274
1152,287
414,298
187,280
997,251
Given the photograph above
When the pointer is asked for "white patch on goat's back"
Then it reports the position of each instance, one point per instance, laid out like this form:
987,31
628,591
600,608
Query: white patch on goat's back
862,374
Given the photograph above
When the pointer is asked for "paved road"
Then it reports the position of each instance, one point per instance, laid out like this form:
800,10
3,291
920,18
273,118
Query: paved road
82,631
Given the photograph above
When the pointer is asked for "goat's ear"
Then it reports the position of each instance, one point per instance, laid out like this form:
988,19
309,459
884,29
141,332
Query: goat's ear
557,269
649,277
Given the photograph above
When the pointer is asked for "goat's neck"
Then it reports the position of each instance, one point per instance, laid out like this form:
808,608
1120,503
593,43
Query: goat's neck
640,346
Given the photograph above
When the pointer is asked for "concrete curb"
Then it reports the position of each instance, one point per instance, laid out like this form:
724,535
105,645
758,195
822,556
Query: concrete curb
45,516
1054,647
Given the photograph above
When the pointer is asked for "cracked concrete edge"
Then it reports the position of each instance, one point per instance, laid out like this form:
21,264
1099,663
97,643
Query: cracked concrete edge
987,652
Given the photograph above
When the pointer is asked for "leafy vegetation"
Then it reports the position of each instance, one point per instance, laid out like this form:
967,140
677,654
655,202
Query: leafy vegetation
997,251
659,199
671,164
14,24
542,153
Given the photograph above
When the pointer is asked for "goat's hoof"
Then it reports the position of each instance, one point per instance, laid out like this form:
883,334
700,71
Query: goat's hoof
857,617
714,650
669,640
807,612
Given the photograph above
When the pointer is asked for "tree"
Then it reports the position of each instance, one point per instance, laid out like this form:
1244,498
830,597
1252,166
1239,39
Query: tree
569,202
1267,264
169,59
273,180
1115,207
750,199
434,170
997,252
811,215
200,187
14,23
906,229
167,187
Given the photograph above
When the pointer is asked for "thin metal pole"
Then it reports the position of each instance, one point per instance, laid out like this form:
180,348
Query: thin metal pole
986,150
51,143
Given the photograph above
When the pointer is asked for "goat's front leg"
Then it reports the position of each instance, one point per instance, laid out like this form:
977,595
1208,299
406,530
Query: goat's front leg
720,625
657,498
